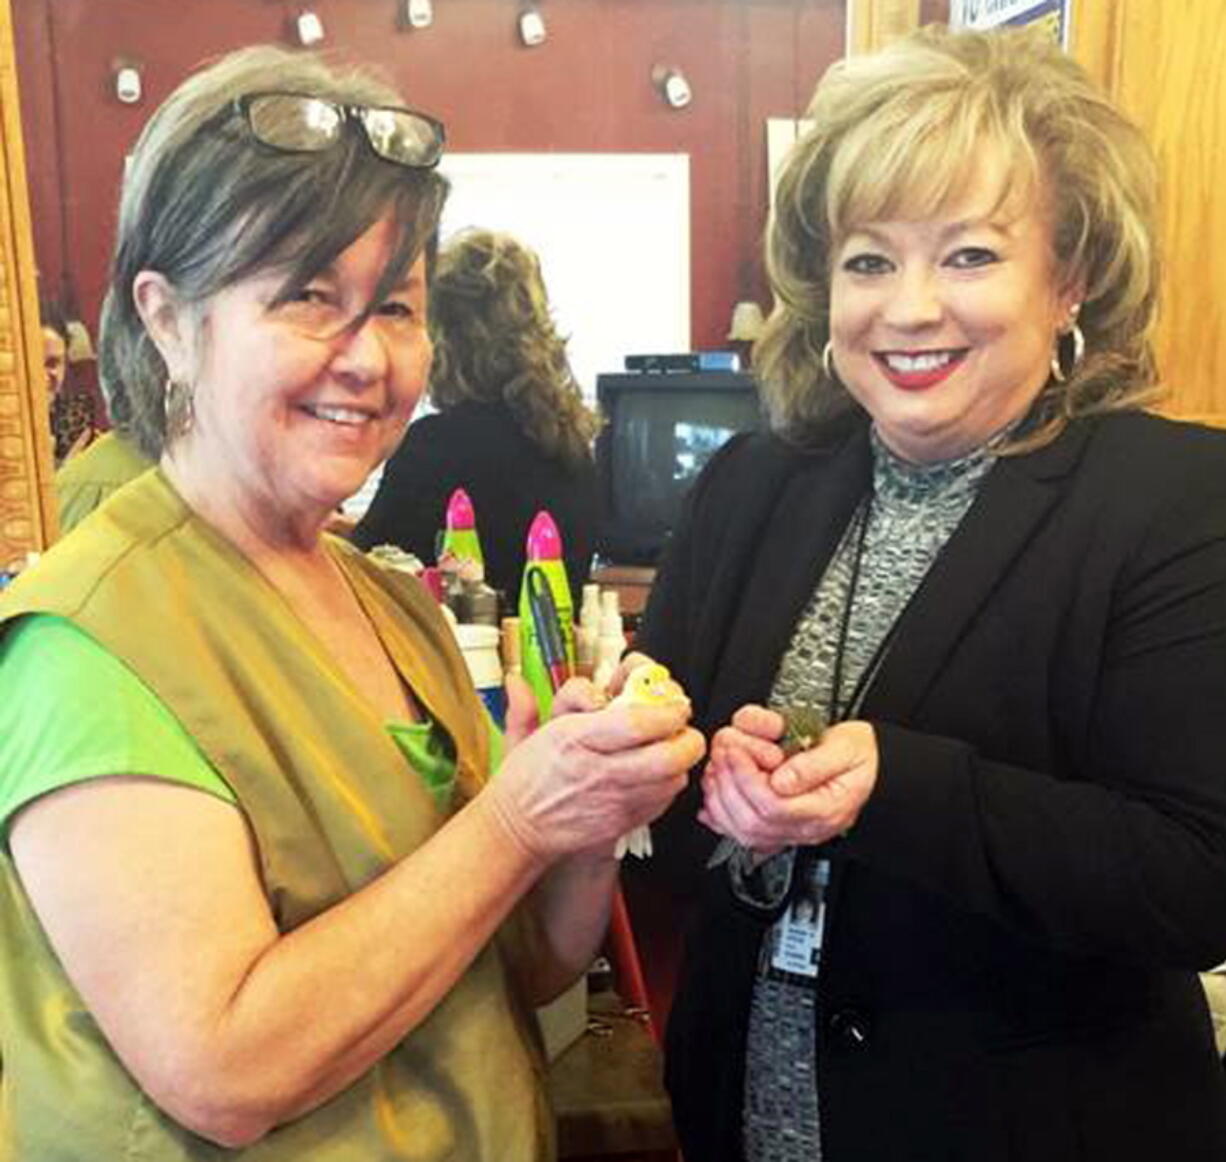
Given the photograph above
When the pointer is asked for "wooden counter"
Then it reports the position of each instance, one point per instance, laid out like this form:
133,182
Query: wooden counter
632,583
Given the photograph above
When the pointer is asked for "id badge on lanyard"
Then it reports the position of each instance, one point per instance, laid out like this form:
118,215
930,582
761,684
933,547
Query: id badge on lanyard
793,948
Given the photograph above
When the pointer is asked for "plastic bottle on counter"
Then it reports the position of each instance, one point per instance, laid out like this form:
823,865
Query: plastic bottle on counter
546,613
611,641
511,657
589,606
479,645
477,603
587,631
460,539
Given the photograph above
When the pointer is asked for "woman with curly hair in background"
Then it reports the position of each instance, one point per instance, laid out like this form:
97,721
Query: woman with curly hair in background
511,428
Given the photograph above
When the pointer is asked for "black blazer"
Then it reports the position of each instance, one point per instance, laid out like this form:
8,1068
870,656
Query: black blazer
481,448
1016,917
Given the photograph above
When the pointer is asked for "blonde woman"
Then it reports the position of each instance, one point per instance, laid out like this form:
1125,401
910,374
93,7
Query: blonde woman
511,427
965,923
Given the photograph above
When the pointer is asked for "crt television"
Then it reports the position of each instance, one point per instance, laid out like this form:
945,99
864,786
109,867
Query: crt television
660,430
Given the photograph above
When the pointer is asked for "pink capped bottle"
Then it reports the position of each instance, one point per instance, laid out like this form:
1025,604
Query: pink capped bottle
460,530
546,612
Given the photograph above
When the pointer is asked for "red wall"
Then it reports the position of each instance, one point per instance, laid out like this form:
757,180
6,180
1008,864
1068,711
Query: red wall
586,89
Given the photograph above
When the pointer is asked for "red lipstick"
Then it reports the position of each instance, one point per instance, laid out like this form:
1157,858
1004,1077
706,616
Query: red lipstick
920,378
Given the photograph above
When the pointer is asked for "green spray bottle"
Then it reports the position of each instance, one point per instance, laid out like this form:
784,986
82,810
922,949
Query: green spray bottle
546,613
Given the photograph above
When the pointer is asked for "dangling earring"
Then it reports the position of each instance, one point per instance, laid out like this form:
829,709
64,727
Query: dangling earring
1079,351
1079,348
179,408
828,362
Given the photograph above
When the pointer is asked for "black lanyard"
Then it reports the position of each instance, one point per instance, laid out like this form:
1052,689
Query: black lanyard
839,708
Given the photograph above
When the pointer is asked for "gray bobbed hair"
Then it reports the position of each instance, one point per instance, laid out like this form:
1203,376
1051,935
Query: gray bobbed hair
206,205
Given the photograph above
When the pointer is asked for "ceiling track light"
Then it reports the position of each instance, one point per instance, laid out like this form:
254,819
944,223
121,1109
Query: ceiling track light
129,87
531,26
672,85
747,322
308,28
417,13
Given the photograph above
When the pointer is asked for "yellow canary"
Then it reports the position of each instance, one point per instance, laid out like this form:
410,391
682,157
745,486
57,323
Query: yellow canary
650,685
647,685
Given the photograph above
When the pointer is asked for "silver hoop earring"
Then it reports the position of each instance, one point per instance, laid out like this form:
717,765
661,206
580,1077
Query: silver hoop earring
1079,347
1079,353
179,408
828,362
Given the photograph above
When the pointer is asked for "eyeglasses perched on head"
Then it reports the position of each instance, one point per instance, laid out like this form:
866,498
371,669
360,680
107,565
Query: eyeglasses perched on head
300,123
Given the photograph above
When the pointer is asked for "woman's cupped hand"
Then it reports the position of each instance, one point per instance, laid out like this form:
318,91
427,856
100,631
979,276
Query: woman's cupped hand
767,800
590,774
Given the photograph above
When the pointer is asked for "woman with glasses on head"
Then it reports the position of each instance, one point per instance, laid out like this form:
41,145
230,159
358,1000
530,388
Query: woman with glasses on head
260,891
964,922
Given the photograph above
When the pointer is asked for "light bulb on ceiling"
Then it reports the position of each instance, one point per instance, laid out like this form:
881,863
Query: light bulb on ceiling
418,13
531,26
128,86
747,322
309,28
673,86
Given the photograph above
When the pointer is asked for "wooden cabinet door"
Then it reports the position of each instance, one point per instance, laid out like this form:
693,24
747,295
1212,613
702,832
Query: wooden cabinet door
1164,63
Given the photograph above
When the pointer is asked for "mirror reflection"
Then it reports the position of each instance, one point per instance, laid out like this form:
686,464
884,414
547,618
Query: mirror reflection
91,72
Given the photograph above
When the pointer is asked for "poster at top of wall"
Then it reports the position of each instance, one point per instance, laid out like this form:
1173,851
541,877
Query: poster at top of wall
1052,14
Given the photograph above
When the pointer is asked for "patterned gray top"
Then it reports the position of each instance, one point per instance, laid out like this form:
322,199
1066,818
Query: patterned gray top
913,511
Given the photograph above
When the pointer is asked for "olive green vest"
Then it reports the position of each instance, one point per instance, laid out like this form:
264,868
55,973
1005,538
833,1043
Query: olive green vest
332,803
85,480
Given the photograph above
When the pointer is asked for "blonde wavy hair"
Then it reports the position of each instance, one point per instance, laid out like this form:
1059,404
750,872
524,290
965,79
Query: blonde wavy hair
898,134
495,341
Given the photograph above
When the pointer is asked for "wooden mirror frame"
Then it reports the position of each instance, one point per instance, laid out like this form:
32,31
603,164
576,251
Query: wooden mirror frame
27,502
872,24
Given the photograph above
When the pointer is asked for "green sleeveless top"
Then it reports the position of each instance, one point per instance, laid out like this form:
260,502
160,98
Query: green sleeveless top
331,803
71,712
